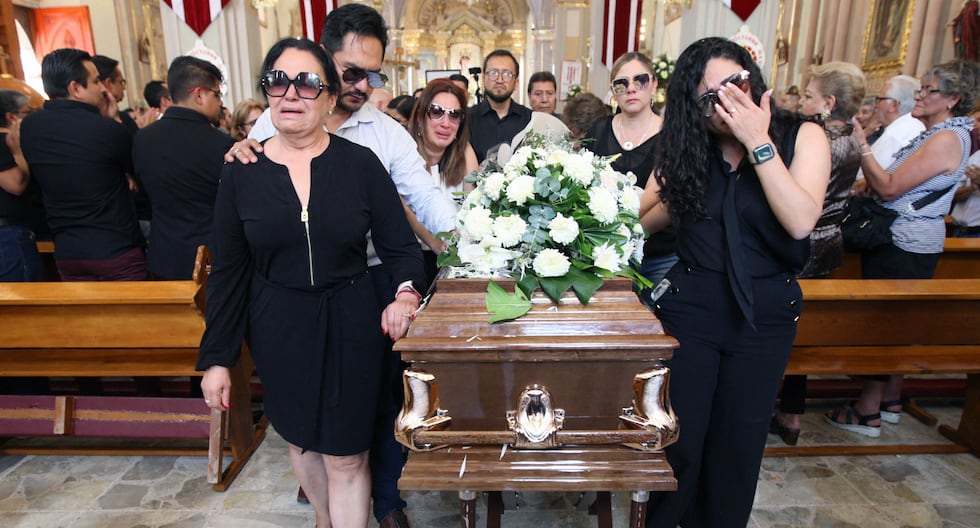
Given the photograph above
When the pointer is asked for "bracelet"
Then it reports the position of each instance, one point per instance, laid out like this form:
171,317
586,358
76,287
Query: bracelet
408,288
868,153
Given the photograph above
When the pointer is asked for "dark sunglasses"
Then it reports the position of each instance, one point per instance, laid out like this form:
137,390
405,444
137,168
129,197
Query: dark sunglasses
708,100
622,84
438,113
275,83
353,75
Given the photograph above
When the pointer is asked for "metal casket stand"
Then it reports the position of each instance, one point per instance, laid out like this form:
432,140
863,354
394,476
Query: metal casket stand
566,398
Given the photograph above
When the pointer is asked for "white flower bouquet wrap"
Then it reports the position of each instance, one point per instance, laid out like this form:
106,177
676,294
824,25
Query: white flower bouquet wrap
552,218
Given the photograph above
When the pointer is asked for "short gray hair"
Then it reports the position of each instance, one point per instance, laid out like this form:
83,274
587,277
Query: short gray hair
902,90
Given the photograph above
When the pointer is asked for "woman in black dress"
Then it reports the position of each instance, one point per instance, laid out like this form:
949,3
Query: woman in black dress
290,276
744,187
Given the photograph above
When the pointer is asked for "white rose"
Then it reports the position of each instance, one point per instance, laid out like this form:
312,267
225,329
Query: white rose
557,156
630,199
472,199
564,230
579,168
606,257
551,263
602,204
478,223
493,184
509,230
520,189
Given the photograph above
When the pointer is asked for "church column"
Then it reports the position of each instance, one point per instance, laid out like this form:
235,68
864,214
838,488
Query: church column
914,50
841,26
233,35
932,34
570,41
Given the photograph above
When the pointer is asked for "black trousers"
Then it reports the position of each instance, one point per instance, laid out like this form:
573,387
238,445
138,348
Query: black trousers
724,379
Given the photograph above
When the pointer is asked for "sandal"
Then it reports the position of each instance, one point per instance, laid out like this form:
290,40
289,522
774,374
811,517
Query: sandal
850,413
892,417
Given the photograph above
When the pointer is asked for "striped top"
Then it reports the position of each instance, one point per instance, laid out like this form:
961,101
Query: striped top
924,230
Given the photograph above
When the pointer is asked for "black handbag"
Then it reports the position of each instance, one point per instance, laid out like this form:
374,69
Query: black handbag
868,225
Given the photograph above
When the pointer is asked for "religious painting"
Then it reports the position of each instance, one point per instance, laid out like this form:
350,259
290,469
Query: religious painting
887,33
62,27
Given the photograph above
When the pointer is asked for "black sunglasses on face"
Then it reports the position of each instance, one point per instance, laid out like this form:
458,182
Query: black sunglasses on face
438,113
353,75
275,83
706,103
622,84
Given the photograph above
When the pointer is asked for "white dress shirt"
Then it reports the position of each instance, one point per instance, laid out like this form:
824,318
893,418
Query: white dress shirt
896,135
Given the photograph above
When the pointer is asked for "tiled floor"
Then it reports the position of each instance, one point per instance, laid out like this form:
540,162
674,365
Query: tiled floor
862,491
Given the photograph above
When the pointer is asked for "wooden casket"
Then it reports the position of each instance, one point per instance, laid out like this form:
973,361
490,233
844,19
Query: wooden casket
566,398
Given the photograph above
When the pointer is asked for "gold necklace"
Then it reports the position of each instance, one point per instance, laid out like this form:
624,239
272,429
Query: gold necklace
629,145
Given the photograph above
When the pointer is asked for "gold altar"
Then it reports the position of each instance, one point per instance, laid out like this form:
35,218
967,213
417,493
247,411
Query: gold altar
567,398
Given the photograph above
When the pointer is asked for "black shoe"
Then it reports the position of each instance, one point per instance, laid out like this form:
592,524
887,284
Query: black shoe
789,436
395,519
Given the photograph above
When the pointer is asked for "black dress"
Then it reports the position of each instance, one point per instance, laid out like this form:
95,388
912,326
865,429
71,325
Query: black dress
299,292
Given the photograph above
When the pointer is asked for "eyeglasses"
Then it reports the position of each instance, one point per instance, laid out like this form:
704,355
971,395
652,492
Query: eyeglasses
505,74
923,93
706,103
275,83
354,75
879,99
438,113
215,91
621,85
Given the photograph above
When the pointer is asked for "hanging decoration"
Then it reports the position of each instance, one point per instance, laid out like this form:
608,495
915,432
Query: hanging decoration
742,8
622,28
313,12
197,14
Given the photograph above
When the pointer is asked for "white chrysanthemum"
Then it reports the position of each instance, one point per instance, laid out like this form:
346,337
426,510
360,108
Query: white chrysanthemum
627,250
564,230
551,263
603,205
623,231
630,199
638,250
518,160
493,184
606,257
472,199
477,223
557,156
520,189
509,230
579,167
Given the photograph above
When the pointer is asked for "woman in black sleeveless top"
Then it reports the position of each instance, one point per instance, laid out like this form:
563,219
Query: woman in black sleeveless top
742,219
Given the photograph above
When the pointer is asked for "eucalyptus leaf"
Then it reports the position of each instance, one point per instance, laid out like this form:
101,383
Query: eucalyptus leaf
505,306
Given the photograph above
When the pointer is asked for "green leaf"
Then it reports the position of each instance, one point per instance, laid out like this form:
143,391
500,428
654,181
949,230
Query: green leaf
505,306
584,283
554,287
528,283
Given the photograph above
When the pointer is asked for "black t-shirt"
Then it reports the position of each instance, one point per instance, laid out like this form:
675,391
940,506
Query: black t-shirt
14,209
80,159
487,130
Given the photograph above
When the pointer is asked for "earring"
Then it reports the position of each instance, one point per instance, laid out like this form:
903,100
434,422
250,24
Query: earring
825,114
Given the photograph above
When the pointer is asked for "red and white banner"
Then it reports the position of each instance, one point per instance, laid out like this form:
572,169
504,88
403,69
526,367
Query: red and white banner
622,32
742,8
312,13
197,14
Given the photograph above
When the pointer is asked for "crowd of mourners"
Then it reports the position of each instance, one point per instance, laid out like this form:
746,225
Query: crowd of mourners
321,210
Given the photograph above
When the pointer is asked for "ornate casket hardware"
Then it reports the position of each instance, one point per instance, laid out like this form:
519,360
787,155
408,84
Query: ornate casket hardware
651,409
420,410
536,420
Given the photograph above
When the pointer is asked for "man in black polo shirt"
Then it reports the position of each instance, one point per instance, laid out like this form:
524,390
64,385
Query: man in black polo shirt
179,161
112,78
498,118
80,159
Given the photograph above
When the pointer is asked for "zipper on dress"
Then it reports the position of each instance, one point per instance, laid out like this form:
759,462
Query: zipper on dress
304,216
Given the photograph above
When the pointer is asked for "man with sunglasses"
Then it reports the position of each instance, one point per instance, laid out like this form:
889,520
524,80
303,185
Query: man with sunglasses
356,36
498,118
178,160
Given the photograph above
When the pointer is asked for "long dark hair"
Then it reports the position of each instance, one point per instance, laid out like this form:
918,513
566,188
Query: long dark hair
681,166
452,165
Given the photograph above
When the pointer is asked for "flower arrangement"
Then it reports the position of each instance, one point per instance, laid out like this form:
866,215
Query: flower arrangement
663,68
550,217
574,90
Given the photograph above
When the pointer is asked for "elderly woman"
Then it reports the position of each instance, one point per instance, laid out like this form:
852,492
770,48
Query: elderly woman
834,95
290,276
438,124
919,185
744,187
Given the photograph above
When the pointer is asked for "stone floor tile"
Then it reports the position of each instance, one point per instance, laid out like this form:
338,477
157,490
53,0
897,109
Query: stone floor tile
959,516
26,519
141,519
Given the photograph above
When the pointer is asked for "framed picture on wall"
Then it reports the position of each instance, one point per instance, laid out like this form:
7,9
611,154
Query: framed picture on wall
61,27
887,34
438,74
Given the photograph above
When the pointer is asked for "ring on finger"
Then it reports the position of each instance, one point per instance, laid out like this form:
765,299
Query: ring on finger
732,111
236,151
